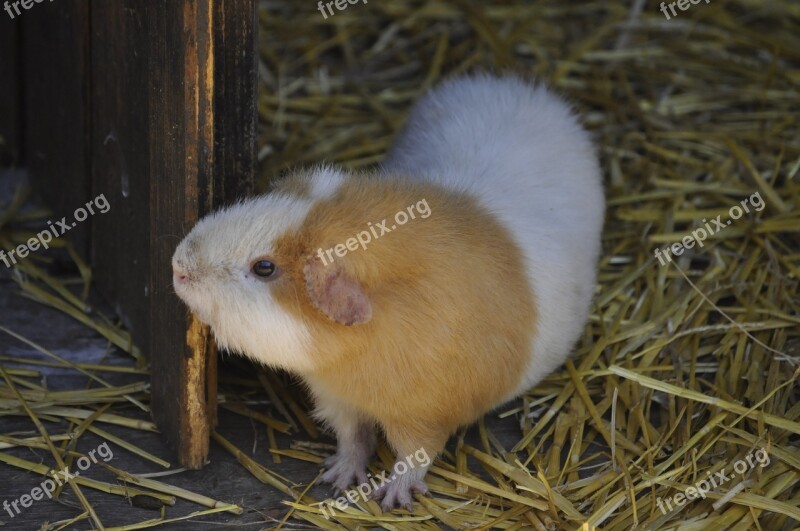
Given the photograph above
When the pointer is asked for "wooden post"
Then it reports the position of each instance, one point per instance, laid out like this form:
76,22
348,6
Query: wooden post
152,104
10,92
173,136
55,92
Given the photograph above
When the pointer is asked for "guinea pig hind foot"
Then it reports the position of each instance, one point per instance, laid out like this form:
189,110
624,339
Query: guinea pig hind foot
348,466
416,444
399,490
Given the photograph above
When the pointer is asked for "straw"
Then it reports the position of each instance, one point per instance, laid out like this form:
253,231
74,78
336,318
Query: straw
684,369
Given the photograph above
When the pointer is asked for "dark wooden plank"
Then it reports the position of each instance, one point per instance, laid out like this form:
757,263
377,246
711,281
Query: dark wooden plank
10,92
184,68
236,98
151,143
55,74
235,52
174,127
121,158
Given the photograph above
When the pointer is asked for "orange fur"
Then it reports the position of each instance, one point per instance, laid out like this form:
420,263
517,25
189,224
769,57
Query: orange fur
452,311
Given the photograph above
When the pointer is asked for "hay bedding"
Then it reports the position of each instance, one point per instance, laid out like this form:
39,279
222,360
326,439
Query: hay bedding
686,370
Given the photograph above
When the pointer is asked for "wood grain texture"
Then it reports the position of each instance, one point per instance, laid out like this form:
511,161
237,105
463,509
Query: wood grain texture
55,39
235,97
122,106
170,148
10,92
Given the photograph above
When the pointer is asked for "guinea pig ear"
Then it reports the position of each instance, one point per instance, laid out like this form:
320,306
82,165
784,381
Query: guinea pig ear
336,294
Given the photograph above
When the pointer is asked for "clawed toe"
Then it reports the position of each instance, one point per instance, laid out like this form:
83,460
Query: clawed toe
330,461
343,471
400,493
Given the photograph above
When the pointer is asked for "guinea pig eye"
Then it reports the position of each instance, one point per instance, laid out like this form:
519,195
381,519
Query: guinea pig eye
264,268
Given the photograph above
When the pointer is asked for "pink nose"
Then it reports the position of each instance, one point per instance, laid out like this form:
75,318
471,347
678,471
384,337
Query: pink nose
179,274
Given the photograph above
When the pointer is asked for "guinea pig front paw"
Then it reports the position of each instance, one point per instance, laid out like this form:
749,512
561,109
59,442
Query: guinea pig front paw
399,492
344,470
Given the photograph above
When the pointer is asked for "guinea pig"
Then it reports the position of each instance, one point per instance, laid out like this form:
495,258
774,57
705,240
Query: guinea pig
415,297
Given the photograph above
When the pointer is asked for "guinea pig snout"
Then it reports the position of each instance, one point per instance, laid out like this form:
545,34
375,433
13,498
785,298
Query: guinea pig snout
180,273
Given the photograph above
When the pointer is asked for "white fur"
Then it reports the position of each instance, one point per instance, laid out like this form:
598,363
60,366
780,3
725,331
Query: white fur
522,152
325,181
218,254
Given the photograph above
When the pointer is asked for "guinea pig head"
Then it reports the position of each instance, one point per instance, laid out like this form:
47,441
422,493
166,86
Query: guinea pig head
250,273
